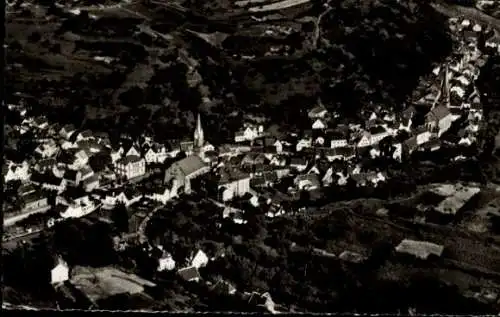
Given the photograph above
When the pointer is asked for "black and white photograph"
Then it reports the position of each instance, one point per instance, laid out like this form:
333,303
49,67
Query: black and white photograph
251,156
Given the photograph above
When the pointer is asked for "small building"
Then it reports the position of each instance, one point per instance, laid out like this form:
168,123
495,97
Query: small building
419,249
307,182
66,131
318,112
34,201
166,262
319,124
60,273
190,274
200,259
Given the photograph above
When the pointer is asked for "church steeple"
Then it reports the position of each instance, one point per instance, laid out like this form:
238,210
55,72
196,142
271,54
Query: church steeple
199,138
445,87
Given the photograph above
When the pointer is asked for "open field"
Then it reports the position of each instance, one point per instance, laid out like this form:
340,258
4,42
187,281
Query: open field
99,283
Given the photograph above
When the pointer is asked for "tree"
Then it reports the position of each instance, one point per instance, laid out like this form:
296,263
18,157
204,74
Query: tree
119,216
34,37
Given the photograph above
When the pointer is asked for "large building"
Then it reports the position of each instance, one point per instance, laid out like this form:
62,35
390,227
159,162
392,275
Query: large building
232,183
185,170
130,167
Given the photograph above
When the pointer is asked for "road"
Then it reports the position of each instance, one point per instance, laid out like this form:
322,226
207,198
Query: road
469,12
141,231
317,24
103,8
11,243
9,221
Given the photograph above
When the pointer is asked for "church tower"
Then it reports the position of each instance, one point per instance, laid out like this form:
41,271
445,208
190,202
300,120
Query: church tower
445,87
199,138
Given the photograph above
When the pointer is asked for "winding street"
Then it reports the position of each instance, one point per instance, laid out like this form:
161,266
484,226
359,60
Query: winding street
141,231
469,12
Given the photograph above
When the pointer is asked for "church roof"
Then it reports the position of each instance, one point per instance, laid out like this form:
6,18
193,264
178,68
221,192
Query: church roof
190,164
438,113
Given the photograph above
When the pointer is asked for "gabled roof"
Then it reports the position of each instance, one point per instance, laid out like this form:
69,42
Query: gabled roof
190,164
298,161
316,110
128,159
53,180
230,175
91,179
70,175
438,113
36,196
68,128
378,130
189,273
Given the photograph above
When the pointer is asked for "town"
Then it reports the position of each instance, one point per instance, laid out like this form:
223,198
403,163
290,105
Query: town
79,173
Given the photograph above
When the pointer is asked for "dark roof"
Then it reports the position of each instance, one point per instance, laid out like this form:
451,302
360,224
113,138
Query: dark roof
51,179
229,175
346,151
86,133
189,273
68,128
70,175
129,159
47,163
377,130
438,113
298,161
189,164
36,196
41,178
91,179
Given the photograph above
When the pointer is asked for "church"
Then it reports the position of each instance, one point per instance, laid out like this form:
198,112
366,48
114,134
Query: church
180,173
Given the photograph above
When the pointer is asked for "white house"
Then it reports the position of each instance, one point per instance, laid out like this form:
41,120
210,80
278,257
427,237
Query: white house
338,142
199,260
130,167
423,136
239,136
166,263
248,134
17,172
60,273
164,194
156,156
279,146
56,184
304,143
398,151
132,151
81,159
365,140
78,208
319,125
328,177
374,152
66,131
47,150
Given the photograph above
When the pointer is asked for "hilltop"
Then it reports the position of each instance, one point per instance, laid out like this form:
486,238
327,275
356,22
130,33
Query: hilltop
140,64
